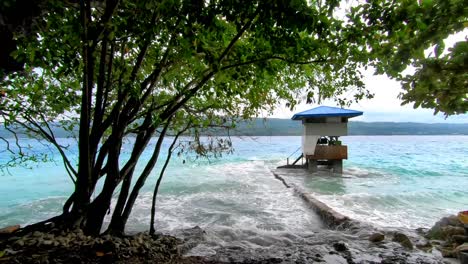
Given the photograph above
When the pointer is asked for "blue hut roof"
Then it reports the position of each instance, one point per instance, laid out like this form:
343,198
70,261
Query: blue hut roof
326,111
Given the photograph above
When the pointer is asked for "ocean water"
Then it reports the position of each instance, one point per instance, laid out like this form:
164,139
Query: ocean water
388,181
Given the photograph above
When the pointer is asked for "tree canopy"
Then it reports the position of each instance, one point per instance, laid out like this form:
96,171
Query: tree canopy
146,69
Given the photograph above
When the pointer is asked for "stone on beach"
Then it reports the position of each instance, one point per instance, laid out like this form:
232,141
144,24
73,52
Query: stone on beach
454,238
446,227
340,246
459,239
377,237
403,240
462,248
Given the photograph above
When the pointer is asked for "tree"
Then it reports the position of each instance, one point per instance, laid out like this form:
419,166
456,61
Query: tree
405,31
147,69
440,83
17,17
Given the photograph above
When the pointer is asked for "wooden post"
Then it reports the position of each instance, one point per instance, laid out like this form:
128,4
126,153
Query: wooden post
312,165
337,166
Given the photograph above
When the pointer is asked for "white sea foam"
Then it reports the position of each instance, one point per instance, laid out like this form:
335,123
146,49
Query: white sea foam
251,199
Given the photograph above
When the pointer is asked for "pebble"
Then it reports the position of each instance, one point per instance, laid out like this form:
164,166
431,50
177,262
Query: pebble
19,243
47,242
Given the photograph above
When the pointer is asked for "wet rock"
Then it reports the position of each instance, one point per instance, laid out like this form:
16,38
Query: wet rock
422,231
49,236
39,241
448,231
424,246
462,248
463,257
47,242
340,246
447,252
9,251
139,239
448,244
439,230
19,243
78,231
403,240
334,259
451,220
30,242
377,237
70,235
459,239
107,246
12,239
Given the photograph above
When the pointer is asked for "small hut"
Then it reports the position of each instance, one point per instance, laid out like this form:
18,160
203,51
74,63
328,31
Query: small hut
323,126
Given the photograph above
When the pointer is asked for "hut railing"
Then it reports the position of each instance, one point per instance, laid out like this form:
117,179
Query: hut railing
287,159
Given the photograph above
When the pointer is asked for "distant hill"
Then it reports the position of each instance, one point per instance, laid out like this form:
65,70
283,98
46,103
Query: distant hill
288,127
406,128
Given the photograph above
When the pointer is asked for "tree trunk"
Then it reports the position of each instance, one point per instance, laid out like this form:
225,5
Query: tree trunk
100,206
119,221
98,209
141,142
82,188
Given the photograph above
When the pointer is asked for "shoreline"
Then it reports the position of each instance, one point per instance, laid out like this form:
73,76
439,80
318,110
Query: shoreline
345,240
352,242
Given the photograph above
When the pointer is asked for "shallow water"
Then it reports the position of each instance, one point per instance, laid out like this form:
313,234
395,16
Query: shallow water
389,181
242,196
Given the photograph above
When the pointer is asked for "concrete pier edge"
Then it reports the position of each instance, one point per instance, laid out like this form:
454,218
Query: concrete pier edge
329,216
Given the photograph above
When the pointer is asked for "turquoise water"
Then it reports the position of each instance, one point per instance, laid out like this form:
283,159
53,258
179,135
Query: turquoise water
389,181
399,181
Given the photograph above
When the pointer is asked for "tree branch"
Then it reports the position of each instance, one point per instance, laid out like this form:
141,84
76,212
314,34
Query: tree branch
146,171
161,174
238,35
273,58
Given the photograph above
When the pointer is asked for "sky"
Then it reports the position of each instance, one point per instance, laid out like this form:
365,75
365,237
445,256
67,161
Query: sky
385,106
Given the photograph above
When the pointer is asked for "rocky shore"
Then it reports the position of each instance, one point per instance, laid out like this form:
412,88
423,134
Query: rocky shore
450,237
75,247
357,243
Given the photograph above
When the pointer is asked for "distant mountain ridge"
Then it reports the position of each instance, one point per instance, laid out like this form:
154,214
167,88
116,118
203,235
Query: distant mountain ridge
288,127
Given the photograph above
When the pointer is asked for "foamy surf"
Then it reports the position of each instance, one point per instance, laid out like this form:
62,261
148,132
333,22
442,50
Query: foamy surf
243,211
